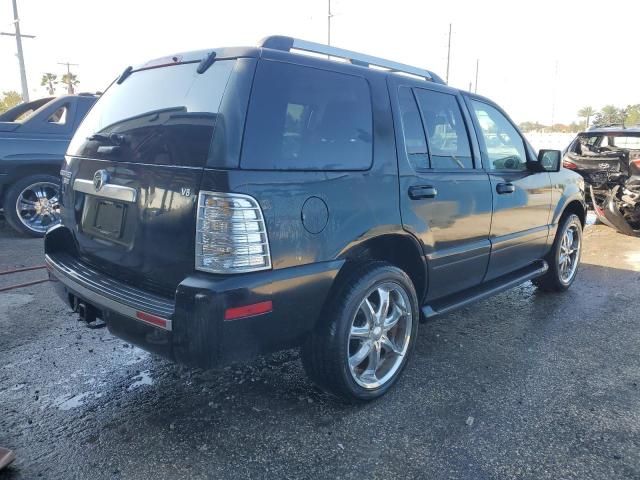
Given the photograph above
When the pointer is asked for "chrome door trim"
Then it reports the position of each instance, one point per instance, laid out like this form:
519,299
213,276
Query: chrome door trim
109,190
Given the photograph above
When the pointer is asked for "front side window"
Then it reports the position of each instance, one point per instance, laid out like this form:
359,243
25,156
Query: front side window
446,131
504,145
303,118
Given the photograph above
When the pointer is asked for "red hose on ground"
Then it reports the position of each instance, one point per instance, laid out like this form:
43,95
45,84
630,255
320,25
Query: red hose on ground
25,269
26,284
20,285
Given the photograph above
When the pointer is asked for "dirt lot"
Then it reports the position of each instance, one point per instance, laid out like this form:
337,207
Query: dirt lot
524,385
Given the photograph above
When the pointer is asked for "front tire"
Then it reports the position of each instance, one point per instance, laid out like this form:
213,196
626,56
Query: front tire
32,204
361,345
564,257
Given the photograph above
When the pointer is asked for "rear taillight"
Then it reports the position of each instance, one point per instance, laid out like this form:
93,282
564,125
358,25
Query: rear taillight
636,162
569,164
231,235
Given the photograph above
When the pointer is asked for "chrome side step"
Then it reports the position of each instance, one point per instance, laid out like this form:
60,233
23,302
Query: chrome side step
480,292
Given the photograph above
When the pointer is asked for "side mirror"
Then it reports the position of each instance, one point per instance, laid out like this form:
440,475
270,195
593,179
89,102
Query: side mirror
547,161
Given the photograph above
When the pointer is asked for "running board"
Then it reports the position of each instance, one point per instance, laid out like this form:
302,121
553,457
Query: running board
485,290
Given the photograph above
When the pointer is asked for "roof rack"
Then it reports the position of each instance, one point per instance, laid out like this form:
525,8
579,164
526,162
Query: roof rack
608,125
278,42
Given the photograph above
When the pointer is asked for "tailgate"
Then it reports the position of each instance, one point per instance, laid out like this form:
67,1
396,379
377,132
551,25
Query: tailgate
139,226
611,163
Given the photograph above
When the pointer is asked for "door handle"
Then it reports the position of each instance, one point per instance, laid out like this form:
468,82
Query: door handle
422,191
505,188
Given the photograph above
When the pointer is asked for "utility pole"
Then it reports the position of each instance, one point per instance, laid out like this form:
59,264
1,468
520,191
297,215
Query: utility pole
477,66
18,35
553,98
448,54
329,22
69,86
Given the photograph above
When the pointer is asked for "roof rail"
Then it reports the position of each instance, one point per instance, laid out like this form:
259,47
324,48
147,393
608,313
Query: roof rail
278,42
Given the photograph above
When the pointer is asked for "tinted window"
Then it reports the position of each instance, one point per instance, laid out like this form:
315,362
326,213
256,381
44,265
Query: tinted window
504,146
415,143
303,118
446,131
59,116
163,116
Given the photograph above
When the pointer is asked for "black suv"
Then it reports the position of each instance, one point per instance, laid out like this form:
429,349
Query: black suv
228,203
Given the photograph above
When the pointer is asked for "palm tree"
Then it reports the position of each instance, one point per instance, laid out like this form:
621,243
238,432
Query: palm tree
610,114
49,80
586,113
70,80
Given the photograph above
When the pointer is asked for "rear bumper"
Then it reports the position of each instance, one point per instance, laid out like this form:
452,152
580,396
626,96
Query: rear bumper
191,328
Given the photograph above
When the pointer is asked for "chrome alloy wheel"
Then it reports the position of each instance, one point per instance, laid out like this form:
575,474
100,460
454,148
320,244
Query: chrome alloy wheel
38,206
380,335
569,254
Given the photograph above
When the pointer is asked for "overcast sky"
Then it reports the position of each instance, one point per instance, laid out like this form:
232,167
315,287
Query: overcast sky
531,52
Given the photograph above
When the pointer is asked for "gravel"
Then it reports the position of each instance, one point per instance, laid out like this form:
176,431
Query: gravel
522,386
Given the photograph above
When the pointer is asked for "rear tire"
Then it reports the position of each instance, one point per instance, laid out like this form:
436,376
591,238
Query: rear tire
564,257
32,204
360,346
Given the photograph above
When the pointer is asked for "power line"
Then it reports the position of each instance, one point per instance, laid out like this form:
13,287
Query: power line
19,36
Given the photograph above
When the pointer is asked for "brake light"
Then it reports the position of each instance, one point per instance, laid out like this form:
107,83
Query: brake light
569,164
231,234
636,162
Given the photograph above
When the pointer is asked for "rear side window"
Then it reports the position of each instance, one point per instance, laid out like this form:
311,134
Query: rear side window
303,118
446,131
59,117
415,142
161,116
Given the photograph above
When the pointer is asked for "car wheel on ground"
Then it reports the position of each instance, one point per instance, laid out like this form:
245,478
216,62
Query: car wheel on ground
368,331
32,204
564,257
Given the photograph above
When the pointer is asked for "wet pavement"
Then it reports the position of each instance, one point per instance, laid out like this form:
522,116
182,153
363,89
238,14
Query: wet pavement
523,385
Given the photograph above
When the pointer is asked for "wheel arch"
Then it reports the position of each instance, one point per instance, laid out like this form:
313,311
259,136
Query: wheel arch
577,207
18,172
399,249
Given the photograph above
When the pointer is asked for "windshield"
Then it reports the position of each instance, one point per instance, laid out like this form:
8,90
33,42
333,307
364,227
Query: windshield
162,116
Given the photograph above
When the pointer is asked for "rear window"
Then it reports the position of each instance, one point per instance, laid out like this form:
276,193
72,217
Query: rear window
303,118
161,116
598,142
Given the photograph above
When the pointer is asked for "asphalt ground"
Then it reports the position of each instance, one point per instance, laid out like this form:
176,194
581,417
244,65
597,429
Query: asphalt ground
525,385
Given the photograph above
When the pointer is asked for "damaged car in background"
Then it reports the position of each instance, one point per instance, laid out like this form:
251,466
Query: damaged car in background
609,160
